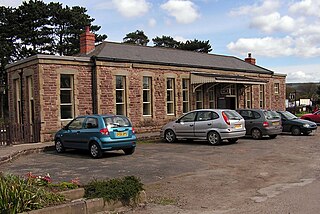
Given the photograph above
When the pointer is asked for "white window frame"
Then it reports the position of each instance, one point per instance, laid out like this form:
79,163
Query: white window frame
248,93
170,93
211,97
261,96
276,88
147,89
123,94
199,94
185,95
71,90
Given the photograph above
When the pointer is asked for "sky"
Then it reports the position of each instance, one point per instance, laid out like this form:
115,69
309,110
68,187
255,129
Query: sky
282,35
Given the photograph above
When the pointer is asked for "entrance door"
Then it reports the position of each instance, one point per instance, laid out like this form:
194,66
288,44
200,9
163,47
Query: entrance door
231,103
227,103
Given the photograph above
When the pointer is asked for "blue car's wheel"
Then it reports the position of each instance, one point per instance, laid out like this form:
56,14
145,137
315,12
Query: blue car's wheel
95,150
59,146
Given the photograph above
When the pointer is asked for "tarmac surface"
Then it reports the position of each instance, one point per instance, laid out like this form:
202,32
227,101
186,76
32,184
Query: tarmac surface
280,175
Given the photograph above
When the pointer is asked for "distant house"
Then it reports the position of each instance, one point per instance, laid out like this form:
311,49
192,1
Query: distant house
148,84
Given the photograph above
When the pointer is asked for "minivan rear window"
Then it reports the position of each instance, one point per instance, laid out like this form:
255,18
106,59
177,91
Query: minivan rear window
233,115
116,121
271,115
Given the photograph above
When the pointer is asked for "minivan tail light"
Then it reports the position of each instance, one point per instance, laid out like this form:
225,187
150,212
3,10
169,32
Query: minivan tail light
104,131
133,131
265,124
226,119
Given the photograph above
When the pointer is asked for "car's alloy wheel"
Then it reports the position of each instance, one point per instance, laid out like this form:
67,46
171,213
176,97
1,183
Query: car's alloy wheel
295,131
95,150
170,136
256,134
214,138
59,146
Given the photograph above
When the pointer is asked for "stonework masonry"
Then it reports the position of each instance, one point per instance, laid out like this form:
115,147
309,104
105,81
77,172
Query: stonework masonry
46,72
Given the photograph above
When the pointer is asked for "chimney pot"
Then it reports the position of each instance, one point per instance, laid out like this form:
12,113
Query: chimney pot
250,60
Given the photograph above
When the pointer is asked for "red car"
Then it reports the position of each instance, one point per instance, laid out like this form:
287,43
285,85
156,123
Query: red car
315,117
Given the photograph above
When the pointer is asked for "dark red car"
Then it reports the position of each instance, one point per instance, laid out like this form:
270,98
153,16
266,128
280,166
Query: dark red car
315,117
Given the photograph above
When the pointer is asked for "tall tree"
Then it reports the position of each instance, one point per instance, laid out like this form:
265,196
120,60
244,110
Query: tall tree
165,41
196,45
138,37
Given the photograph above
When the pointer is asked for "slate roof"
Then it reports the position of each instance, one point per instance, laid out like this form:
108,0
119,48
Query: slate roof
111,51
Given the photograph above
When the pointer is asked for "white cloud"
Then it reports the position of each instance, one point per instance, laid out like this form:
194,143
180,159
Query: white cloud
267,46
184,11
152,22
306,7
300,73
131,8
266,7
11,3
273,22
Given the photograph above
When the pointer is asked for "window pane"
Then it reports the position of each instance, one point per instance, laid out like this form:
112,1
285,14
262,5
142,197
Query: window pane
185,107
146,96
65,81
199,105
185,84
66,111
65,96
169,84
170,96
146,82
185,96
77,123
120,109
119,82
119,96
146,109
170,108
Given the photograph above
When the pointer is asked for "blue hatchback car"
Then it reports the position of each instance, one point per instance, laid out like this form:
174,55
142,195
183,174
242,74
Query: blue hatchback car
97,133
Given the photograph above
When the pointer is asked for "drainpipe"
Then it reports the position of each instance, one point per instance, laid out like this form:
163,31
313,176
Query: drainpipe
94,83
21,98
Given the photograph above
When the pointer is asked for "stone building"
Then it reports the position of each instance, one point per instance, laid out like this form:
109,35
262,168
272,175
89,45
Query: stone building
150,85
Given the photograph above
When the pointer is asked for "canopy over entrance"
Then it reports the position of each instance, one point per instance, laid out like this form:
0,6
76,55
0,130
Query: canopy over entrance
200,78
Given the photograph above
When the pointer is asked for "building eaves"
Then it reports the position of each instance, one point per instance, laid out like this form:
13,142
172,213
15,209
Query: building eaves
49,57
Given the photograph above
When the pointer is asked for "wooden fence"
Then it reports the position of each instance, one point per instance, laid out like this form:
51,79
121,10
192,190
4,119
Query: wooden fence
11,133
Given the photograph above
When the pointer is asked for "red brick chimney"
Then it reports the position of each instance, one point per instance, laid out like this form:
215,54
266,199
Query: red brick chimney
87,41
250,60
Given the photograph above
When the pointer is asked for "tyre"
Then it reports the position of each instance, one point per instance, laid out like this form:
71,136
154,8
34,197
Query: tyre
233,140
256,134
295,131
95,150
214,138
59,146
129,151
273,136
170,136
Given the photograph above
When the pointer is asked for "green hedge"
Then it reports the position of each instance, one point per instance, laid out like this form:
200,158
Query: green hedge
122,189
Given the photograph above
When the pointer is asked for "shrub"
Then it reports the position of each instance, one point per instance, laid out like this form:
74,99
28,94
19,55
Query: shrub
124,190
21,195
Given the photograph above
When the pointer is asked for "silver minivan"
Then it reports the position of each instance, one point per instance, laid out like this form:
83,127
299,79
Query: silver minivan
213,125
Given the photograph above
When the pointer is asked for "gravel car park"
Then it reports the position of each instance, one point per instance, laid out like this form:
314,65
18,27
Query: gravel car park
253,176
